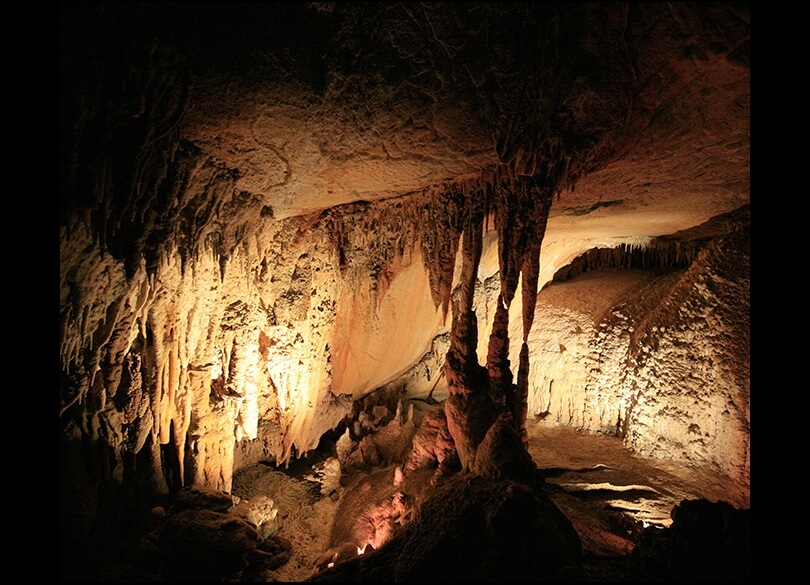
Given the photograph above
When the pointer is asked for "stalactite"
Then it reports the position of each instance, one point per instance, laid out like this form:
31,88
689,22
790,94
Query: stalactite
468,407
462,369
498,367
509,221
521,211
657,254
542,199
441,214
478,395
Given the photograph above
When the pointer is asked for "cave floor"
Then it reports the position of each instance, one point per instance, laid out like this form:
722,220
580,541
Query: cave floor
611,494
608,493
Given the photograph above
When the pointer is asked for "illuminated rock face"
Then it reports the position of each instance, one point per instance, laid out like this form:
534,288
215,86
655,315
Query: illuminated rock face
255,234
652,355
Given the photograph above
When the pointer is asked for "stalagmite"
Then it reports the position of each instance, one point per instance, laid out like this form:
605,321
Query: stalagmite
468,407
478,395
501,389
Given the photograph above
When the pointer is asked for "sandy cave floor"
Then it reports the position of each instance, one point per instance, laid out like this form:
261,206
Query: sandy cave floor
606,491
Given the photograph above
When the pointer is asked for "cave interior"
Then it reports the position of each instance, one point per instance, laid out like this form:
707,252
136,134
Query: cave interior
408,291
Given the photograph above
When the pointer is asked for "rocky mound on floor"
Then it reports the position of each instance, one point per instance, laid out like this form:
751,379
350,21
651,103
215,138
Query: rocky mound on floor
707,541
473,528
205,536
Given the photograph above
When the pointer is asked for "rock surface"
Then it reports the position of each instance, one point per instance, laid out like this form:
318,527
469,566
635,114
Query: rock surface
474,529
708,541
653,356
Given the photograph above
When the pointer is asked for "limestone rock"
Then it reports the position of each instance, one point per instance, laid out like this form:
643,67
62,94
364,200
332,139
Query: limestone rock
501,455
327,474
380,443
262,206
203,543
200,497
433,446
261,513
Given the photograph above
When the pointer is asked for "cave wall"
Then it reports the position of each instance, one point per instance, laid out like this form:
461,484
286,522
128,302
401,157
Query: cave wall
653,356
280,335
204,364
689,384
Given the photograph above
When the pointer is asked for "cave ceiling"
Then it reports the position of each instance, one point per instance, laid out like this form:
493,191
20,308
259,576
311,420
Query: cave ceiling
318,104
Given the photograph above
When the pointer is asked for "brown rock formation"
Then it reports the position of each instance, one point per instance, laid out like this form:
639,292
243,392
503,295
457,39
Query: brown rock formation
474,529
